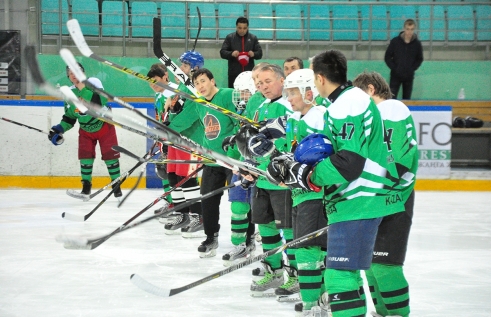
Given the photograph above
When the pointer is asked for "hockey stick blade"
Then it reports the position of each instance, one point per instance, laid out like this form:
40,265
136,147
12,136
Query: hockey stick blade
163,292
166,60
72,217
78,37
81,243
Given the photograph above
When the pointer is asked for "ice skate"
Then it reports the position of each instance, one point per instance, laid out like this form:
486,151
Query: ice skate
266,286
208,248
195,228
164,208
86,189
117,192
181,220
320,308
240,251
290,291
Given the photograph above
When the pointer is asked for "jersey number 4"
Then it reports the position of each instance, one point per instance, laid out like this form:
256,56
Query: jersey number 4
388,138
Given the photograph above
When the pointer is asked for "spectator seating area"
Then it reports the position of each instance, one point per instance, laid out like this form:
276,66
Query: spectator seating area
439,22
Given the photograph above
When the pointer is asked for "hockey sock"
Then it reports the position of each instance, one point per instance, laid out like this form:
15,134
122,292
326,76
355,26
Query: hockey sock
113,168
344,293
239,221
309,262
177,194
375,293
190,190
393,288
271,239
290,252
86,169
166,187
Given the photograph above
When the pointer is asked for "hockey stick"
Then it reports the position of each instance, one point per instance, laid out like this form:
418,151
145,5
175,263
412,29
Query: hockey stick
164,59
139,176
78,38
82,243
74,194
165,292
136,157
85,217
164,133
24,125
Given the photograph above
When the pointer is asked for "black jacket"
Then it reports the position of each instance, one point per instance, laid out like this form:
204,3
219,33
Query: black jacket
404,58
233,42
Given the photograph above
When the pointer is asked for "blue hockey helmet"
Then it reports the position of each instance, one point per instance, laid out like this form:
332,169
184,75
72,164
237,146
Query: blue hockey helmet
313,149
192,58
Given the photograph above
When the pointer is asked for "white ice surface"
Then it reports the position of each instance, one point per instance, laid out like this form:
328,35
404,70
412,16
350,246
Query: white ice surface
448,263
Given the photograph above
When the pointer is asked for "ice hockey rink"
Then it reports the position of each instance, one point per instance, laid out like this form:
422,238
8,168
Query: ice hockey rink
448,263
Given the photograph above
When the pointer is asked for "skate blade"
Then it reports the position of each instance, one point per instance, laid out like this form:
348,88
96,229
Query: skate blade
172,232
288,298
267,293
196,234
165,220
210,254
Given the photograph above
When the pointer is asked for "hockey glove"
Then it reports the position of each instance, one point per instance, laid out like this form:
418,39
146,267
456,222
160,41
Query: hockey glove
228,142
245,183
298,176
161,171
55,135
259,145
277,170
274,129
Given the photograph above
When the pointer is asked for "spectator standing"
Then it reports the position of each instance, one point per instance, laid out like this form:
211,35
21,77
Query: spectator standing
404,56
240,48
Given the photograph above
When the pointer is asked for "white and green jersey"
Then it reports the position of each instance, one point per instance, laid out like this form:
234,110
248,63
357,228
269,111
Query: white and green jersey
361,165
271,110
400,136
299,127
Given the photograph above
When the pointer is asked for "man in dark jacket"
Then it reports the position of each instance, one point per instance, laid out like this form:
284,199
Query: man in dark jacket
240,48
404,56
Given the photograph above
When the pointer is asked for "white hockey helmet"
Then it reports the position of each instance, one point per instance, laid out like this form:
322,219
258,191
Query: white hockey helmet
301,79
243,88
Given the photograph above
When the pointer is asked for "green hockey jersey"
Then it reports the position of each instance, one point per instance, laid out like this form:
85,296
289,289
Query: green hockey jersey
362,167
214,126
271,110
297,128
72,114
400,136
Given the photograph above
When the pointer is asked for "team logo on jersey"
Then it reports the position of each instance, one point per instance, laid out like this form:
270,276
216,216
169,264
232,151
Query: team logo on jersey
212,126
392,199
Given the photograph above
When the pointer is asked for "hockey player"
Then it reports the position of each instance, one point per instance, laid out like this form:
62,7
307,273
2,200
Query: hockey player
388,285
242,236
174,172
302,137
91,131
187,222
271,204
364,173
216,126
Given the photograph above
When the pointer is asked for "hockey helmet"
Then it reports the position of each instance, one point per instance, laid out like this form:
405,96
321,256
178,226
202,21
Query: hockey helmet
301,79
242,139
313,149
193,58
243,88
